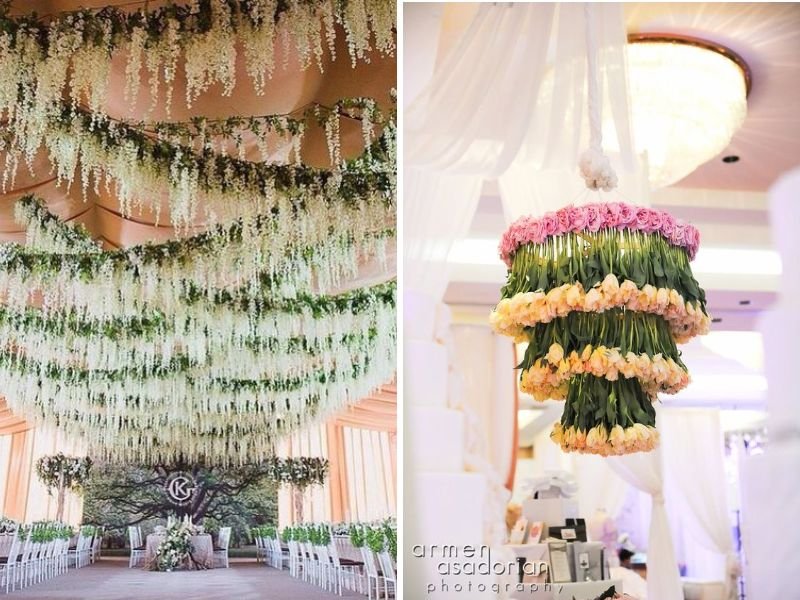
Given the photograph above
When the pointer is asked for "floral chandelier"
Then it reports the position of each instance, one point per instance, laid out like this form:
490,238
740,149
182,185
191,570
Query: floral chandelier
602,294
213,346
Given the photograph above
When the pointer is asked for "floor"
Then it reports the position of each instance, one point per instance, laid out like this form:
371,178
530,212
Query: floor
111,579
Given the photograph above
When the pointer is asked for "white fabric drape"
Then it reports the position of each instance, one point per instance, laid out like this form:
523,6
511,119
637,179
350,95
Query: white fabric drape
693,453
643,471
599,488
473,117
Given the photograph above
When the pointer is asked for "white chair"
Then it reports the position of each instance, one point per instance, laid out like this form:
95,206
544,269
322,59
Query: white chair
389,575
261,550
221,550
137,549
97,544
312,565
324,568
296,561
9,564
371,573
281,557
80,554
344,571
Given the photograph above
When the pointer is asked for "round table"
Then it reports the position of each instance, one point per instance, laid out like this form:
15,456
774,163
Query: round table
202,555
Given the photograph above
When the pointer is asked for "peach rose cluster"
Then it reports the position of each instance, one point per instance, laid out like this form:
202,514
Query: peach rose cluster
550,379
599,440
526,309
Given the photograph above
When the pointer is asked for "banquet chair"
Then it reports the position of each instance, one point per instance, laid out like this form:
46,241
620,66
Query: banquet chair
312,565
221,550
344,571
282,558
324,568
389,574
137,549
9,565
261,550
80,554
371,573
97,544
296,563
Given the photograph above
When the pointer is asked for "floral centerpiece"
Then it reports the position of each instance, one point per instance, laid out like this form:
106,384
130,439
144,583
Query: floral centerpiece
176,547
63,473
8,525
602,294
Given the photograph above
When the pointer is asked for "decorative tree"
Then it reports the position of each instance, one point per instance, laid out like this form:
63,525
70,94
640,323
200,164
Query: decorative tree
122,495
300,472
62,473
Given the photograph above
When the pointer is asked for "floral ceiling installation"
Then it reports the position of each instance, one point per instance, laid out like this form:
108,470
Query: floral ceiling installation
71,54
214,345
602,293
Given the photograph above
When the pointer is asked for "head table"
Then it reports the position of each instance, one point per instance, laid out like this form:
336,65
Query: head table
201,556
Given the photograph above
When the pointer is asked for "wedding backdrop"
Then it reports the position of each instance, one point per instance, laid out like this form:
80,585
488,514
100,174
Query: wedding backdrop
197,292
599,183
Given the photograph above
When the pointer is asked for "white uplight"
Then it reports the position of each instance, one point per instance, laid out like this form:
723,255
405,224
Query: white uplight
687,102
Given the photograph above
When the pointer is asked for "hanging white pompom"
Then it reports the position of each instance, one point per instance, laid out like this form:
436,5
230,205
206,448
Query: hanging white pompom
596,170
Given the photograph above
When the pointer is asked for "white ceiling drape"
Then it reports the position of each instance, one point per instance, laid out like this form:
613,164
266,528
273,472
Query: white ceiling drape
509,103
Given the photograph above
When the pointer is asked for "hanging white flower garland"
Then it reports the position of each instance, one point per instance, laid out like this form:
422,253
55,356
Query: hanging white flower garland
136,413
224,336
247,254
70,55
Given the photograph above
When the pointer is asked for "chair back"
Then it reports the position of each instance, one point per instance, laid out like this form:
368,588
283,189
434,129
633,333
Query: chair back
370,565
14,548
224,537
387,566
333,553
27,546
97,542
133,536
322,555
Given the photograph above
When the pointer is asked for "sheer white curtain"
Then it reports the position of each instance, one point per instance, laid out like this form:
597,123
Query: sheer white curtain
694,462
644,472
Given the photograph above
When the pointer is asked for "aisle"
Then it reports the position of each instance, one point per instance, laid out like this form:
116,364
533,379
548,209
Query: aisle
111,579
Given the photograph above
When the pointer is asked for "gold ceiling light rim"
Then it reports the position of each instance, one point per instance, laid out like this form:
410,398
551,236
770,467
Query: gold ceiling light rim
687,40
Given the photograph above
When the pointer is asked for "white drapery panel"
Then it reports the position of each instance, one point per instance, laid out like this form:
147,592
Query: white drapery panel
694,462
473,116
644,472
599,487
437,212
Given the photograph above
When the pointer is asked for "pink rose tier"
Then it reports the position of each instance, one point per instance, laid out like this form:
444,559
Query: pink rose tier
602,293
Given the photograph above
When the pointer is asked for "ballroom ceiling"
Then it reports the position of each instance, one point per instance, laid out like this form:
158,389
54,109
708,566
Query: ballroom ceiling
766,35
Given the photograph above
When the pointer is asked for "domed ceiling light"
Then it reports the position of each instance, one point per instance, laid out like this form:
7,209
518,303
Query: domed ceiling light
688,98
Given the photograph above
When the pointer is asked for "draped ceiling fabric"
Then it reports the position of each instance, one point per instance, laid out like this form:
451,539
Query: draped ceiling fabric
361,444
